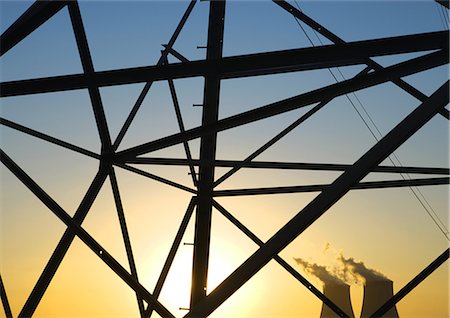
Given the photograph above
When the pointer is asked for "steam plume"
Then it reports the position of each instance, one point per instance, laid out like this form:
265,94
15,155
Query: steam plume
321,272
352,271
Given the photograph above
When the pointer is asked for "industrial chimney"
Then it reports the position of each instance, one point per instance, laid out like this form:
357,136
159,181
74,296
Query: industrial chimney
340,295
376,293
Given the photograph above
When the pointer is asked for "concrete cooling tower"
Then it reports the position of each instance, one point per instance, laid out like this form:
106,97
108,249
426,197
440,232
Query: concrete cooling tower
376,293
340,295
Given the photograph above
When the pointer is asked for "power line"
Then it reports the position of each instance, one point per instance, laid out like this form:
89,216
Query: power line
443,15
415,190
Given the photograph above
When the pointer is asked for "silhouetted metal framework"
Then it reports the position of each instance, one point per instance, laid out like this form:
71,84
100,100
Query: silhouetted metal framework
215,68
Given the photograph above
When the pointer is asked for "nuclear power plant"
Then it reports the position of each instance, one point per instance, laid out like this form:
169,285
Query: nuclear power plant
378,289
376,293
340,295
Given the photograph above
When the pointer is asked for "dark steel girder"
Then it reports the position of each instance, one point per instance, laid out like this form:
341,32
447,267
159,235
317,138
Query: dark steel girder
74,228
272,141
157,178
50,139
148,85
88,68
335,39
281,261
37,14
364,81
320,204
125,235
320,187
208,143
444,3
173,251
187,149
239,66
68,236
427,271
288,165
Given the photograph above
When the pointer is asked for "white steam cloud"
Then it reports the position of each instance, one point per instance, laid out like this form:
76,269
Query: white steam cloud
346,270
352,271
321,272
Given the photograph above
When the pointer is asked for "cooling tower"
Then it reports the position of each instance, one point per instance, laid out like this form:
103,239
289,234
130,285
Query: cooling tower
376,293
340,295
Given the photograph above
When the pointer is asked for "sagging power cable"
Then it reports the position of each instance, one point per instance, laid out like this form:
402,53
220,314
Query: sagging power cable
415,190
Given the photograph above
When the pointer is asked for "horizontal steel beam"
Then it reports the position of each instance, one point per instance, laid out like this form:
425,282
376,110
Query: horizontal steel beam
287,165
37,14
239,66
157,178
321,187
364,81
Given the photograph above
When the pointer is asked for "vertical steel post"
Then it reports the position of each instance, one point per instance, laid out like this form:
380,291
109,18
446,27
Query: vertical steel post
207,155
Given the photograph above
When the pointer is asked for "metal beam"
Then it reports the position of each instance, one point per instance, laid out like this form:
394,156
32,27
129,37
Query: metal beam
157,178
125,235
73,226
88,68
176,54
187,150
427,271
173,250
37,14
67,238
272,141
281,261
412,66
37,134
148,85
289,165
208,142
5,302
337,40
320,187
444,3
320,204
239,66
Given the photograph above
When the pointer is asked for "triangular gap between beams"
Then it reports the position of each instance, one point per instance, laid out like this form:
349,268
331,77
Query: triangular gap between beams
54,51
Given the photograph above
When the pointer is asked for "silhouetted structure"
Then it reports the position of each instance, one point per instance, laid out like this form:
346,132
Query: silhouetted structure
376,293
340,295
433,46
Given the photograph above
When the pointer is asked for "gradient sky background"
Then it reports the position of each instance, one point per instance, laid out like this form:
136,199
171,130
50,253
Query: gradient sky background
387,229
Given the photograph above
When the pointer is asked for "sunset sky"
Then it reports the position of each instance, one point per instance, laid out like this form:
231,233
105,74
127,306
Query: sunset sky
387,229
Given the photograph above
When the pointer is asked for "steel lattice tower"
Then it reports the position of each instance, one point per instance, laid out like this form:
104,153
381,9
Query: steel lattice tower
214,69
